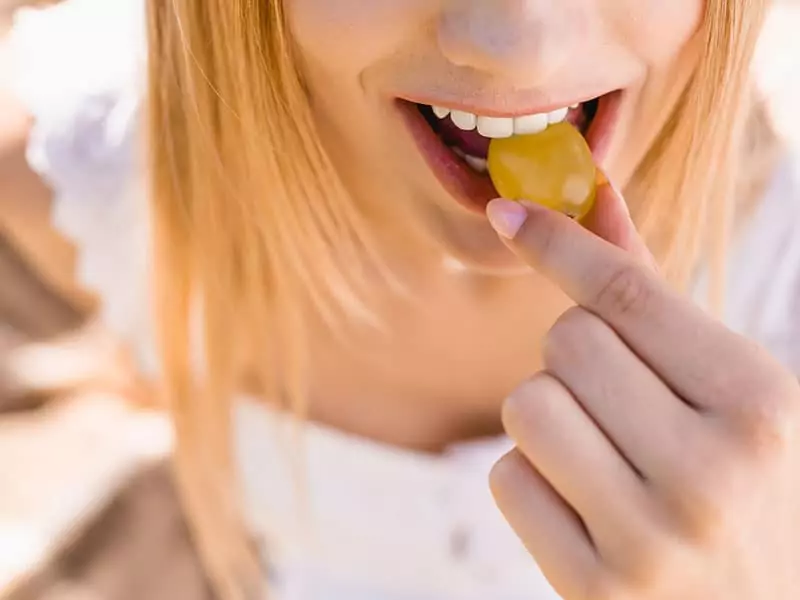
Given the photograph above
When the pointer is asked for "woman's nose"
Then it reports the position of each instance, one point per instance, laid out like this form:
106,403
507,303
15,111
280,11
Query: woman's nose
523,41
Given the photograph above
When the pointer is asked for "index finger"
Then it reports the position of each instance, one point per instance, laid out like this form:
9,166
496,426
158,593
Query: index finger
689,351
584,258
611,220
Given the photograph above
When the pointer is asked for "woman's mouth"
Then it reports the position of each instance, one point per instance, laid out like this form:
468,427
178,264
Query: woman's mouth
455,143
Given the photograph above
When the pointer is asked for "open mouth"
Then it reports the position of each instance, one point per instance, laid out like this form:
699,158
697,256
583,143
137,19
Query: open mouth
455,143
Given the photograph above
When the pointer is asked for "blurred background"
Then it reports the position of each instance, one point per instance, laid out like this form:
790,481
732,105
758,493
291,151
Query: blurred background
87,506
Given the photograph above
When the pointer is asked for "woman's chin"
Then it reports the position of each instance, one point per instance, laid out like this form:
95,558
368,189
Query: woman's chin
472,246
498,262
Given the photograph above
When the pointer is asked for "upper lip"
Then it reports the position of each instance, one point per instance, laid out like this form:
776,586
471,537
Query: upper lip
510,108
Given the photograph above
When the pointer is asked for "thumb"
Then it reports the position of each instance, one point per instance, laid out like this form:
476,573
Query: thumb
611,220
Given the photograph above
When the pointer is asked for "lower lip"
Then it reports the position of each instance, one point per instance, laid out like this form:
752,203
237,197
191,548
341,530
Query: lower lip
474,190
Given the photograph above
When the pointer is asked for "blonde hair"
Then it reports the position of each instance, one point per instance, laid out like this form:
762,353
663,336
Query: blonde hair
253,228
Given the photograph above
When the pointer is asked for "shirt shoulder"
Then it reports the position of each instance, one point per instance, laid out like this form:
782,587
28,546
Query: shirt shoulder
763,286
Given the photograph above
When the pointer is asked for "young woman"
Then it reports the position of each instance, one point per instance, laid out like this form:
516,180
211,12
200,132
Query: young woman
318,247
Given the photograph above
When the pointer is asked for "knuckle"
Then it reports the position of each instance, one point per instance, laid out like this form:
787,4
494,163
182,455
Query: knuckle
769,419
708,527
657,559
721,385
648,561
649,553
604,586
627,292
701,492
568,335
707,507
651,568
506,473
515,409
531,405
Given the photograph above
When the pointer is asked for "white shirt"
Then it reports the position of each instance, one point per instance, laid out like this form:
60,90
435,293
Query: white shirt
380,523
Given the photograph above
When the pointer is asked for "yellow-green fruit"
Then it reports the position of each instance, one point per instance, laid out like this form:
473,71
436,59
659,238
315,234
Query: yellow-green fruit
553,168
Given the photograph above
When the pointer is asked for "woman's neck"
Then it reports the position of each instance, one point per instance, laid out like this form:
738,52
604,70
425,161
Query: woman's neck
440,371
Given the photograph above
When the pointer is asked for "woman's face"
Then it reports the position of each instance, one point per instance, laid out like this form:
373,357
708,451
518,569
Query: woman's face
375,69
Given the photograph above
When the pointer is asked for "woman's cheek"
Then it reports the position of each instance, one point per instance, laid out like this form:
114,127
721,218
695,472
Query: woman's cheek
654,30
352,35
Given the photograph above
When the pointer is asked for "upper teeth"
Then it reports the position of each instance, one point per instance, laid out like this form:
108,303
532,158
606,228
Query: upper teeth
503,127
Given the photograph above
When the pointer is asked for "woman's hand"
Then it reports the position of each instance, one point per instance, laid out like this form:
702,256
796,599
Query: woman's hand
657,455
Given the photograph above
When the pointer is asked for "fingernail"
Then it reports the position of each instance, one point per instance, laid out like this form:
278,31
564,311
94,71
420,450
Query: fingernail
506,217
